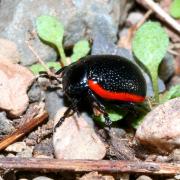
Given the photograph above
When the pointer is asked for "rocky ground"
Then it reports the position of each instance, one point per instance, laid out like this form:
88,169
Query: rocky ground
106,25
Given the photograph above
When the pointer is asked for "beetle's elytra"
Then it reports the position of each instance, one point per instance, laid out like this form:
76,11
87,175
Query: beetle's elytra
107,77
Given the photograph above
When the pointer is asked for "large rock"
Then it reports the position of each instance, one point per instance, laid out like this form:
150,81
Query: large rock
14,83
76,139
80,18
161,127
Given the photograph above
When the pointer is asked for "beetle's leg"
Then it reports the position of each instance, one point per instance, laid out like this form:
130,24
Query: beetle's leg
69,112
60,70
44,74
56,76
100,107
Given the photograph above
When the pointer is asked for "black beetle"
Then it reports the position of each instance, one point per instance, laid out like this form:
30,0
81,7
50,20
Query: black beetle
107,77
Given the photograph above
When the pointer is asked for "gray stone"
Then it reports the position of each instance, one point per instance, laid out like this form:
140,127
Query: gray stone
117,132
134,17
80,18
5,124
161,127
54,102
34,93
101,45
44,149
166,69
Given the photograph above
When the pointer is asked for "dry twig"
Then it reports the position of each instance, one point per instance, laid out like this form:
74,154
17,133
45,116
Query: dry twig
39,59
161,13
23,130
146,16
54,165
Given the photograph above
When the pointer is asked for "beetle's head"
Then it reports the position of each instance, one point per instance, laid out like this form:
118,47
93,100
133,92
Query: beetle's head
74,79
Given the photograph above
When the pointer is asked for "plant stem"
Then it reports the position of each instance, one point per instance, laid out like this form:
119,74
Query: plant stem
62,54
154,77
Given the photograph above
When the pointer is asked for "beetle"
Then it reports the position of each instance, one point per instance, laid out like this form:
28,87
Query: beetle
101,77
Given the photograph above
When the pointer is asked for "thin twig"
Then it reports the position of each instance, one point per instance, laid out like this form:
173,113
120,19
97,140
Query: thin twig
171,51
145,17
109,166
39,59
161,13
23,130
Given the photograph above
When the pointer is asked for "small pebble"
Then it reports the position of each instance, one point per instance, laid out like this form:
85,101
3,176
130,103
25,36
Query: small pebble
96,176
34,93
10,155
43,149
143,177
42,178
16,147
26,152
166,68
6,126
134,17
177,177
176,155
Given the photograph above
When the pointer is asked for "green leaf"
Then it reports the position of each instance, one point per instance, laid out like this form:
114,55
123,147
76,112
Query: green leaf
51,30
135,123
81,49
36,68
115,114
175,9
149,46
172,93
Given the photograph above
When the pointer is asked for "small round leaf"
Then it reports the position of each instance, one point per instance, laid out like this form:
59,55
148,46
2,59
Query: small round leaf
81,49
50,29
175,9
115,114
36,68
150,44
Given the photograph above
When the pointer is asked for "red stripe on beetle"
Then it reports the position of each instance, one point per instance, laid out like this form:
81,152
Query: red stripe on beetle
121,96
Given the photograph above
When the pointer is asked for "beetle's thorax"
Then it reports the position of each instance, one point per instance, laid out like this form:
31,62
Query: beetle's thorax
74,79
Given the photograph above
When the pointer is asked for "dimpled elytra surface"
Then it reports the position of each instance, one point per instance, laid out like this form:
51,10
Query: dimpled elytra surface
118,75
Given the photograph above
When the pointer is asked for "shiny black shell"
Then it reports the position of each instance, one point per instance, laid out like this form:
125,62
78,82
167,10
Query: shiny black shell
113,73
